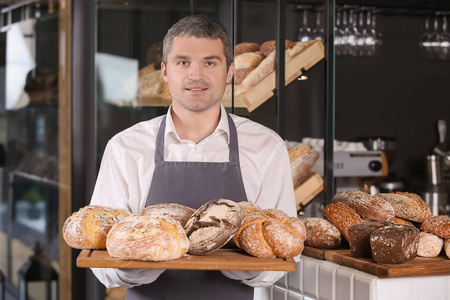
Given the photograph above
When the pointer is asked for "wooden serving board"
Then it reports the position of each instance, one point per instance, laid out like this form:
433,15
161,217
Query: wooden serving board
309,188
419,266
222,259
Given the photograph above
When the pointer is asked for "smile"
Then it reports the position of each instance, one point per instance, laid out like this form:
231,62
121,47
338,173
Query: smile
196,89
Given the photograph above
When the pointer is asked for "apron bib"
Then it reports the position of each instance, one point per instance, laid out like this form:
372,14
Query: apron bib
193,184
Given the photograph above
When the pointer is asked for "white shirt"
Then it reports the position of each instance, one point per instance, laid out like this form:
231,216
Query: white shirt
127,167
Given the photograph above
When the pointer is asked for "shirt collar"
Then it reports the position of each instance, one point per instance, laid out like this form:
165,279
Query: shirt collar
223,125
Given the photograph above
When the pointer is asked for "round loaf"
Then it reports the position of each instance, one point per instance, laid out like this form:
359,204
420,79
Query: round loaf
320,233
438,225
248,60
88,227
342,216
302,159
430,245
368,206
141,237
271,233
408,206
447,247
176,211
245,47
269,46
213,225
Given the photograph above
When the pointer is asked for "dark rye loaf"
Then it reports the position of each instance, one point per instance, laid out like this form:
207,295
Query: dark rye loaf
359,236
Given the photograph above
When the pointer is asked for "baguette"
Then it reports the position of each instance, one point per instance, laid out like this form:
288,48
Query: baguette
438,225
302,159
408,206
367,206
260,72
342,216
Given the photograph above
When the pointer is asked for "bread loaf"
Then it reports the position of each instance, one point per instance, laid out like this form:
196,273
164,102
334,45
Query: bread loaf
239,75
151,84
320,233
271,233
368,206
141,237
408,206
178,212
247,60
394,244
268,47
447,247
430,245
342,216
88,227
245,47
438,225
213,225
302,159
401,221
260,72
359,238
249,207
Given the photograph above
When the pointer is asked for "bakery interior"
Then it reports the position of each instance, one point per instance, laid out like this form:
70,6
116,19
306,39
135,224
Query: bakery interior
375,111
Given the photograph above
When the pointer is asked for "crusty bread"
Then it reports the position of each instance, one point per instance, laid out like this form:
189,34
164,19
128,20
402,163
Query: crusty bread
239,75
249,207
408,206
438,225
151,84
271,233
179,212
302,159
368,206
213,225
447,247
320,233
394,244
260,72
430,245
88,227
342,216
245,47
401,221
359,238
141,237
268,47
247,60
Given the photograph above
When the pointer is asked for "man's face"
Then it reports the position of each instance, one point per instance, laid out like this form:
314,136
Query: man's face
196,72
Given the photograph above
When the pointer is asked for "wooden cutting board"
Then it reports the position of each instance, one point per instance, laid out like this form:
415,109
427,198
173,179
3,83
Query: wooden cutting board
222,259
419,266
309,188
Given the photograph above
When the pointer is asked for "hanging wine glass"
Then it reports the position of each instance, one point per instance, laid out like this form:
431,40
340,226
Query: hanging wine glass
353,34
360,38
304,33
337,34
371,35
318,31
443,39
425,40
434,43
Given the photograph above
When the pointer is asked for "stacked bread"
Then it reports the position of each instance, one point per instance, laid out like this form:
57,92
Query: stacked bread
386,226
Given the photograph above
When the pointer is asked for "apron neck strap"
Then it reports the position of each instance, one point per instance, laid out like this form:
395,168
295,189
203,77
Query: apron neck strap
233,146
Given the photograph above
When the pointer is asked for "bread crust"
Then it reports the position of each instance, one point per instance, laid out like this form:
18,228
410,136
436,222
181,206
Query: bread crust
302,159
368,206
447,247
271,233
142,237
269,46
88,227
408,206
245,47
249,207
176,211
438,225
430,245
320,233
342,216
260,72
248,60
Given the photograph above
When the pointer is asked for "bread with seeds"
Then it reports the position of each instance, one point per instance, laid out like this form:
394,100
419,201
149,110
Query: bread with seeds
408,206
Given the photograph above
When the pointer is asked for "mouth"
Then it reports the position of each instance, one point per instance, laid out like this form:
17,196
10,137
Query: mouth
196,89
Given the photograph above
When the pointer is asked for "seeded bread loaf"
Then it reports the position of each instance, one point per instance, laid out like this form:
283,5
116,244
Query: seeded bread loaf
430,245
438,225
213,225
342,216
359,238
88,227
394,244
271,233
178,212
368,206
142,237
408,206
320,233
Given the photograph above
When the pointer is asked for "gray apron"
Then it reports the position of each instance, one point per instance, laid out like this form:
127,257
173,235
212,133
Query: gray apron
193,184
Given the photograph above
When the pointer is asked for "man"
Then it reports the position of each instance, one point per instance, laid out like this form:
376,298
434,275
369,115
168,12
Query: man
195,153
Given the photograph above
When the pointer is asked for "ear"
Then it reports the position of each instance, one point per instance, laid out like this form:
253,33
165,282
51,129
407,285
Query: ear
230,73
164,71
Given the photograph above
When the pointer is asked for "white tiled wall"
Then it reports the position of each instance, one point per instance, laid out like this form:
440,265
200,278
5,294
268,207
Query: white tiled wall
323,280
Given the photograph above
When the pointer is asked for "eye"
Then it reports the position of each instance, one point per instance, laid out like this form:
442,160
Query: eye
183,63
210,63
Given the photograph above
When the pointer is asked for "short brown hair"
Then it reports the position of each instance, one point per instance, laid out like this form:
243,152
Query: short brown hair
199,26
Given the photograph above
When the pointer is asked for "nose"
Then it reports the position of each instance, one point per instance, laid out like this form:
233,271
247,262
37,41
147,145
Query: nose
195,72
